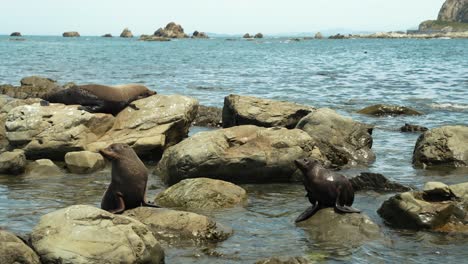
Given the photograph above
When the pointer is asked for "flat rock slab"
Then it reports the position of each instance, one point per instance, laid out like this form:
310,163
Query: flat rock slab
388,110
443,146
376,182
241,154
178,226
13,250
85,234
248,110
202,193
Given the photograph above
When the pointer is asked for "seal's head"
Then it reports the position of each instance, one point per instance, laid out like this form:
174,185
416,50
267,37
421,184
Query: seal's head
306,164
116,151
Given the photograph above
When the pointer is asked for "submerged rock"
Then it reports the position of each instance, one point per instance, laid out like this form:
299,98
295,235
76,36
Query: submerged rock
178,226
208,116
241,154
376,182
153,38
413,128
84,162
202,193
443,146
108,35
284,260
388,110
13,250
31,87
160,122
52,131
248,110
172,30
346,230
71,34
126,33
85,234
438,207
342,140
43,168
13,162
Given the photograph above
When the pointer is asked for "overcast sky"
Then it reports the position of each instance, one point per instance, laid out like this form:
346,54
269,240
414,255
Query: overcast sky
96,17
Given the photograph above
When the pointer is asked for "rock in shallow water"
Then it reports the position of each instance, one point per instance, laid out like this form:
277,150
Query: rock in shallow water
284,260
202,193
376,182
14,251
43,168
85,234
388,110
13,162
413,128
443,146
83,162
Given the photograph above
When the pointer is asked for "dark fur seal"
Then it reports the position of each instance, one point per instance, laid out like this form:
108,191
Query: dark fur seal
97,98
325,188
127,189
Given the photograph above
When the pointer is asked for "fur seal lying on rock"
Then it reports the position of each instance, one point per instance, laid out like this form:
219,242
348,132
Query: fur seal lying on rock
325,188
96,98
127,189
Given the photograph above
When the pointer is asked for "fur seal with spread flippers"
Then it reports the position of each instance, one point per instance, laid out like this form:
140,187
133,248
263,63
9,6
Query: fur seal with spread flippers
127,189
96,98
325,188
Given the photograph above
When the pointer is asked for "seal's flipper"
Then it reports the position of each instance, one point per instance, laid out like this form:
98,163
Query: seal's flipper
307,213
121,208
346,209
147,204
134,107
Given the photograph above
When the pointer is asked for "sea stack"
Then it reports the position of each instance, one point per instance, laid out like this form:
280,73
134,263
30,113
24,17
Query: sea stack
15,34
71,34
126,33
247,35
258,35
172,30
318,35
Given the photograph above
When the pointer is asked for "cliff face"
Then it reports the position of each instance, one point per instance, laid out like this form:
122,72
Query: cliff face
454,11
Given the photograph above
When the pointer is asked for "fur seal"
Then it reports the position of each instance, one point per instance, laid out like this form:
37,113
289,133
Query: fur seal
96,98
127,189
325,188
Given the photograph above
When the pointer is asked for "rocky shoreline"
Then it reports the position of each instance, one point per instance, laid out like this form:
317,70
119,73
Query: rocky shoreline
258,143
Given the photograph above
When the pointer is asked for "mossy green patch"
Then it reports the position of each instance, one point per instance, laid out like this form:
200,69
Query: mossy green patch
438,25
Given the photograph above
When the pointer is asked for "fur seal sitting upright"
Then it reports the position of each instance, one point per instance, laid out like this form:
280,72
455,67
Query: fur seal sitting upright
325,188
127,189
96,98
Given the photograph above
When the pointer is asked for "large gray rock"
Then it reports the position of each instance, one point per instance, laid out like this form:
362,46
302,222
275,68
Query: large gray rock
202,193
85,234
13,162
42,168
14,251
160,122
342,140
83,162
454,11
178,226
172,30
247,110
52,131
347,230
126,33
443,146
388,110
31,87
438,207
242,154
376,182
208,116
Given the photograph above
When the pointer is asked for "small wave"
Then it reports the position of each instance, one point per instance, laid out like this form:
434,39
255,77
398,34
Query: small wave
449,106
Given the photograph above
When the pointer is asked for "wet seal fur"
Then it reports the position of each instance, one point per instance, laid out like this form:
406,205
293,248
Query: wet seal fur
127,189
325,188
96,98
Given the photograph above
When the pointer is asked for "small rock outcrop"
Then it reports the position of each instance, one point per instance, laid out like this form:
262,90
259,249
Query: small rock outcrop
13,162
284,260
438,207
85,234
160,122
258,35
347,230
388,110
454,11
247,35
31,87
71,34
248,110
84,162
108,35
42,168
443,146
197,34
376,182
13,250
338,36
126,33
52,131
240,154
172,30
208,116
413,128
202,193
318,35
178,226
342,140
15,34
153,38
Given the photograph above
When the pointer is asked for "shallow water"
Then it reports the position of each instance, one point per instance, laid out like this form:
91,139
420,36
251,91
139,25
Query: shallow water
429,75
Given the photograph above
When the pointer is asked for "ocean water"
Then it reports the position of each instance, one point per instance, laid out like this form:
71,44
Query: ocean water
346,75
